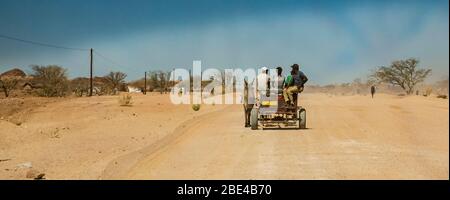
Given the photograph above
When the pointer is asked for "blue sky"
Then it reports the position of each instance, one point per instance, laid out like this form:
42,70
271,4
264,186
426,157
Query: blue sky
333,41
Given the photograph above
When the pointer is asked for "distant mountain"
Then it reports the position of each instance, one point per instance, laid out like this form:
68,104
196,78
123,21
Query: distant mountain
15,73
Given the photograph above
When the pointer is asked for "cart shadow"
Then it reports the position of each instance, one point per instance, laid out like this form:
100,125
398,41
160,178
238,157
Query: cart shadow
283,128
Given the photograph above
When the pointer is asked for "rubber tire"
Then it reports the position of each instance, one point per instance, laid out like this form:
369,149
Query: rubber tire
301,113
254,119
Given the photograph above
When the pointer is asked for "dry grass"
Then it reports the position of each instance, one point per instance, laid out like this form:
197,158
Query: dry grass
126,100
428,91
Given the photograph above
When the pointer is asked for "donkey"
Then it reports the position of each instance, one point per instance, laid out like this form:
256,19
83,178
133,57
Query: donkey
247,107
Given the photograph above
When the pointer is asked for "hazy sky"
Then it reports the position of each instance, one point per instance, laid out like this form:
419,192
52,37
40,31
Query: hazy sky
333,41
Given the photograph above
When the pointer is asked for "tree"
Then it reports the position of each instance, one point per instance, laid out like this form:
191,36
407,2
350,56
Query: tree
51,80
403,73
153,80
80,86
163,82
357,85
7,84
158,81
115,79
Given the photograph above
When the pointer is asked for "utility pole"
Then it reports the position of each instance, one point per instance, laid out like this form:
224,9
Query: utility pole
90,81
145,82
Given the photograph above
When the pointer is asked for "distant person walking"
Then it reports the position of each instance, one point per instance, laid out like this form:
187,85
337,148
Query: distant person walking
372,90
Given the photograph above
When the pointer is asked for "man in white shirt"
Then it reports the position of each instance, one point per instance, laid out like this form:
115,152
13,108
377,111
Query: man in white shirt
263,82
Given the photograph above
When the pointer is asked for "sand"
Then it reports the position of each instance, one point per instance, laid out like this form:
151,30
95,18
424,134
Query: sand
348,137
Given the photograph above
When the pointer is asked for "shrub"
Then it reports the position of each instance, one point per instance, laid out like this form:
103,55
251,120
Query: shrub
115,80
80,86
125,100
51,80
7,84
442,96
428,92
196,107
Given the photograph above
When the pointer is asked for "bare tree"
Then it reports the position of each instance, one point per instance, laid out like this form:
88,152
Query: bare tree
163,82
80,86
164,79
7,84
51,80
159,81
357,85
403,73
115,79
153,80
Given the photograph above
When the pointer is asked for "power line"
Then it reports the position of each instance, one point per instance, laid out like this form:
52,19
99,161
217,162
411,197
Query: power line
107,59
60,47
42,44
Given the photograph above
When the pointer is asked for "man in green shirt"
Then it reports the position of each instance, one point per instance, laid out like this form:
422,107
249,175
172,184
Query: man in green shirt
294,84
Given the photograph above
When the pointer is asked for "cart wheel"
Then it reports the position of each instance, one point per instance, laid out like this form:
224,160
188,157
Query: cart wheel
301,113
254,119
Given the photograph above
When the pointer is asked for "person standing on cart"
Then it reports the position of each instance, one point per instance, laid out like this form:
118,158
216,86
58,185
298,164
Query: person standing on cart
278,80
263,83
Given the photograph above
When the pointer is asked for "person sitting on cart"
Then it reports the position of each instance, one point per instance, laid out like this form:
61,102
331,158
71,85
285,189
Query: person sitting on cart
294,84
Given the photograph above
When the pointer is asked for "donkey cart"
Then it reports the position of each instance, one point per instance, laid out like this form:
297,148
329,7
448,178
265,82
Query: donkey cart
273,112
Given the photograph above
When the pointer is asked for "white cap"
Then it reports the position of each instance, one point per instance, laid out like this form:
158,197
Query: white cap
264,69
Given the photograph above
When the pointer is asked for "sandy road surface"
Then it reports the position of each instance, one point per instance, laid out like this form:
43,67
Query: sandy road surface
351,137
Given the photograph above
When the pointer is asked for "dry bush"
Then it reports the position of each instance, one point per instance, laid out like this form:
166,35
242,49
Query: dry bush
80,86
196,107
50,80
115,81
441,87
159,81
428,91
7,84
442,96
126,100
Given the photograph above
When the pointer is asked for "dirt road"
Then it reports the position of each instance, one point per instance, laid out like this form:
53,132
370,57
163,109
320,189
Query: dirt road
348,137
